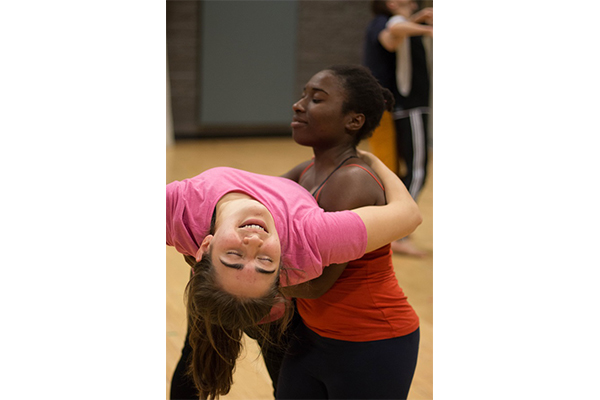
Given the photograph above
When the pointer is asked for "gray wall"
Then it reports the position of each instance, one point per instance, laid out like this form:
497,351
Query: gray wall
327,32
182,57
247,63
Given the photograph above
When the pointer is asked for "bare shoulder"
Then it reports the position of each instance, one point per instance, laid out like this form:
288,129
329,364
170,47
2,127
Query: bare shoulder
352,186
294,173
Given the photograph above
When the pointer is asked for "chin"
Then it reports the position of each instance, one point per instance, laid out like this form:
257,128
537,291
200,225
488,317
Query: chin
300,140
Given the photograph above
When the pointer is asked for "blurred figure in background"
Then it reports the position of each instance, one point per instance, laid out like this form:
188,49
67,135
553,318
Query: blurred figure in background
395,50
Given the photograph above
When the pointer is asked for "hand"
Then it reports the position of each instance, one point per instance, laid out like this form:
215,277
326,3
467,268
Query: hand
425,15
367,157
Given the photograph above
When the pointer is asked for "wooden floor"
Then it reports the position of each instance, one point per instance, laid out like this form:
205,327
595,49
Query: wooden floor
274,156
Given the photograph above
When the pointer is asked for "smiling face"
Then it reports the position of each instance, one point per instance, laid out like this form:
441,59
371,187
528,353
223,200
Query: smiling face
245,248
318,117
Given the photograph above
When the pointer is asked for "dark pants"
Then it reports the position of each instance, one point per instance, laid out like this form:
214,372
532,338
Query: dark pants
411,142
273,353
321,368
182,385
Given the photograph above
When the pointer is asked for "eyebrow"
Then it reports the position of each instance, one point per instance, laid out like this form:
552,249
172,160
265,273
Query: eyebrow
317,89
241,266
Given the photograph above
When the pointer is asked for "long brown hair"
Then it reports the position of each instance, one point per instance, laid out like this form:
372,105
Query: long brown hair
217,320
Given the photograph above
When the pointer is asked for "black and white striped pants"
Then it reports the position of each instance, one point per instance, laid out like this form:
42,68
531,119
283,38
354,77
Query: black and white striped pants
411,146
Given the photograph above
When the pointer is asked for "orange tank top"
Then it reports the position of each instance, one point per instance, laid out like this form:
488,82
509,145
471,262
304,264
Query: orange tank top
366,303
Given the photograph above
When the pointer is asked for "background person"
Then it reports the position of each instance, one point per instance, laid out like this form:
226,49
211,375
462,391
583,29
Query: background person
395,52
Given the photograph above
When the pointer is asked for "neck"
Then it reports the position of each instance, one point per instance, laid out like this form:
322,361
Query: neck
331,157
403,13
230,198
233,196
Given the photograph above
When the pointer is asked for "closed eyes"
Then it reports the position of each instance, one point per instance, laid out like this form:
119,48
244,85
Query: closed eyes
264,259
240,266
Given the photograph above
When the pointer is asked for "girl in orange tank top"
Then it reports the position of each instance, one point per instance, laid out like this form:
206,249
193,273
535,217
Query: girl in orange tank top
358,336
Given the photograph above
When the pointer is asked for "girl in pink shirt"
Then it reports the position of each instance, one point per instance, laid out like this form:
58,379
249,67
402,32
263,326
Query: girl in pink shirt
248,235
252,234
308,237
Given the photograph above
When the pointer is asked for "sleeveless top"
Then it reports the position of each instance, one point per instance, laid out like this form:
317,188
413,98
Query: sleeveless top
366,303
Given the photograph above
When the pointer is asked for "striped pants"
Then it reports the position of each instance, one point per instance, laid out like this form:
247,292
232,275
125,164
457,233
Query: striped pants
402,136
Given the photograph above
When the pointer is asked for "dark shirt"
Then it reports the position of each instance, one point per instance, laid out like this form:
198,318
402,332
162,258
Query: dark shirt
382,64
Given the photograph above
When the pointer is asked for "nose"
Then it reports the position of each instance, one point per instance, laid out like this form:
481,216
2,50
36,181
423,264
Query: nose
253,240
298,106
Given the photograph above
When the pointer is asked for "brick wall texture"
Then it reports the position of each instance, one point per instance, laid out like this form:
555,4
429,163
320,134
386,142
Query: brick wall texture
329,32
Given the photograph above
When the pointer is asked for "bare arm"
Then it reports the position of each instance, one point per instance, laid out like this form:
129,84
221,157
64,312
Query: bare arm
317,287
424,16
294,173
395,220
347,189
392,36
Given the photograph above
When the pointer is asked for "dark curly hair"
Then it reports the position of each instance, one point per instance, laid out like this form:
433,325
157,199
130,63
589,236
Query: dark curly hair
363,95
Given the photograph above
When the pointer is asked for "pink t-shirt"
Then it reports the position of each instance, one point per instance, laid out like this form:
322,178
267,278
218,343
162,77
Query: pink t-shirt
310,237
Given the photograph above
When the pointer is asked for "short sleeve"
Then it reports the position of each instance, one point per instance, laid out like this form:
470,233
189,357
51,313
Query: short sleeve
171,203
320,239
188,216
339,236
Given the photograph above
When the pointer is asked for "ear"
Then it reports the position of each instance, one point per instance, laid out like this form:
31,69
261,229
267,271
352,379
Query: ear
355,121
204,247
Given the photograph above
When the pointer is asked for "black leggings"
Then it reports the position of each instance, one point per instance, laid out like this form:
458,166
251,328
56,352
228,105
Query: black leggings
321,368
182,385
